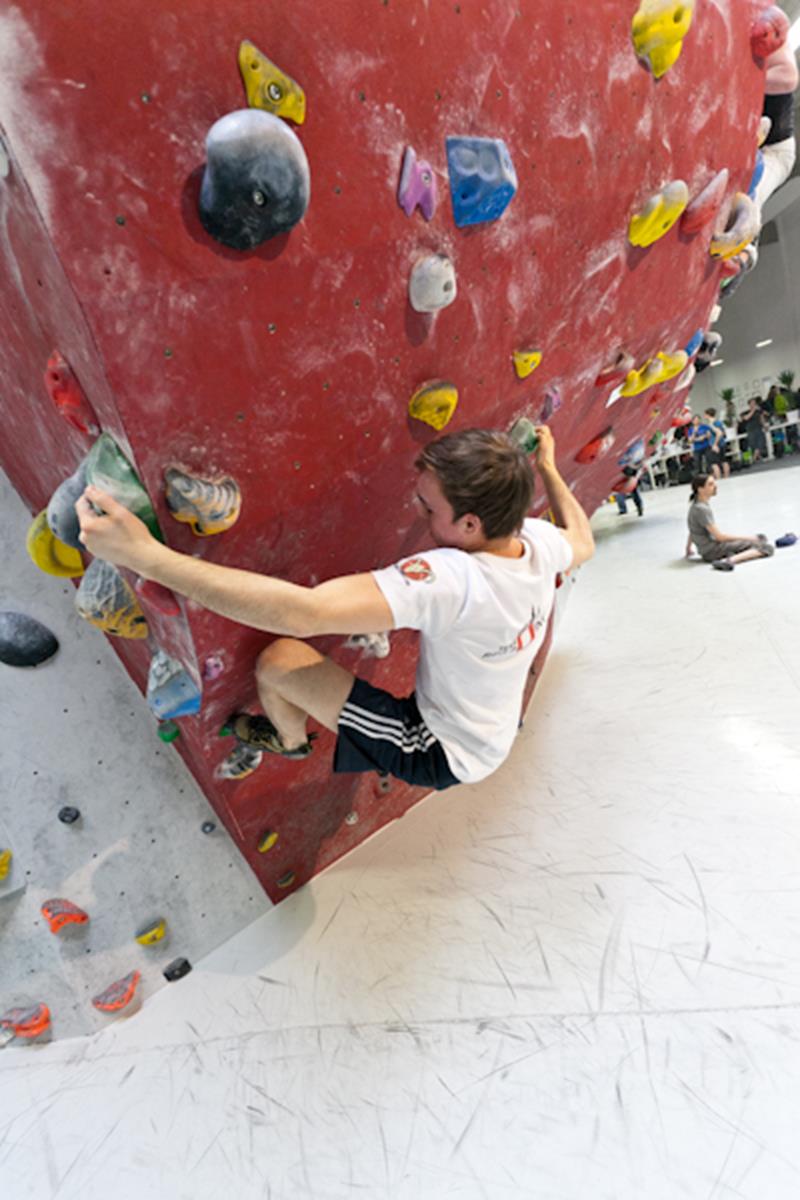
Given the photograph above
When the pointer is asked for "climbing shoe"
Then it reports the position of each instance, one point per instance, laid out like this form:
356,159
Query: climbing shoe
723,564
261,734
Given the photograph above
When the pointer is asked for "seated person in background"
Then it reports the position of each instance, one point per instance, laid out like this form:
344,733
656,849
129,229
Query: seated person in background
719,461
720,549
753,418
701,437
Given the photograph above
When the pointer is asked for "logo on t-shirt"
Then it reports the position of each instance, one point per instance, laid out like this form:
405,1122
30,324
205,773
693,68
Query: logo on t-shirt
525,637
417,570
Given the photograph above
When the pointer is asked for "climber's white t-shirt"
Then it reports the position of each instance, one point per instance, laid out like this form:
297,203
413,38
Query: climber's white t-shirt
482,619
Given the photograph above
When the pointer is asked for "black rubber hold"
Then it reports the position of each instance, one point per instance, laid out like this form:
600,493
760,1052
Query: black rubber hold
177,969
24,642
61,516
208,827
256,182
69,815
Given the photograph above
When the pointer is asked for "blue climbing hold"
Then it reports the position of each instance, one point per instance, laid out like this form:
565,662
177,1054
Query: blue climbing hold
483,181
758,172
694,345
171,692
634,454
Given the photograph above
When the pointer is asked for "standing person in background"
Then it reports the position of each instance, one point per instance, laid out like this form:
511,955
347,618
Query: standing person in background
634,494
701,438
719,448
722,550
753,418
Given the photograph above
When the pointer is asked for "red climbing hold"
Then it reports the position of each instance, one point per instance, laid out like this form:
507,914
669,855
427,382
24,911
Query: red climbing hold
596,448
118,994
26,1022
59,913
706,205
67,395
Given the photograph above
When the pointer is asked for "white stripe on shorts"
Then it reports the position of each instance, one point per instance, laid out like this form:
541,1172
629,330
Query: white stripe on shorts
389,729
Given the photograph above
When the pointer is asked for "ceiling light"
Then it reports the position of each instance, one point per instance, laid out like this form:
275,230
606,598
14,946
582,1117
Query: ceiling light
718,362
760,345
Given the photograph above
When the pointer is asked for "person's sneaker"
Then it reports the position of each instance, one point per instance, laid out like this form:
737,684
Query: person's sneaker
723,564
788,539
259,732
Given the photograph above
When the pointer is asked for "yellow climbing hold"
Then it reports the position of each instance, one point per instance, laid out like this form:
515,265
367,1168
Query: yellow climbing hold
526,362
148,935
434,403
659,214
268,87
671,364
659,28
267,841
49,553
656,370
5,863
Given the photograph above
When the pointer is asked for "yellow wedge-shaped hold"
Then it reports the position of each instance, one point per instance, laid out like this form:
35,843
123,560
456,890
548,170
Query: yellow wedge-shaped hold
434,403
659,28
526,362
49,553
5,863
148,935
269,87
671,364
656,370
659,214
267,841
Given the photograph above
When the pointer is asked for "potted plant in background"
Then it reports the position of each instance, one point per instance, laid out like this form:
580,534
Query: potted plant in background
730,408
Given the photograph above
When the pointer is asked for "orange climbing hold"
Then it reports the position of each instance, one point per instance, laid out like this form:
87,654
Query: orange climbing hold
119,994
596,448
27,1022
59,913
209,506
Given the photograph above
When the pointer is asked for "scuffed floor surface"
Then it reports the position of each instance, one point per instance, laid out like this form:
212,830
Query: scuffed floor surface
577,981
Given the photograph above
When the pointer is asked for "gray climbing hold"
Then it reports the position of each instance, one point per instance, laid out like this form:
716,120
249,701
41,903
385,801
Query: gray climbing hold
177,969
24,642
256,182
69,815
433,283
61,516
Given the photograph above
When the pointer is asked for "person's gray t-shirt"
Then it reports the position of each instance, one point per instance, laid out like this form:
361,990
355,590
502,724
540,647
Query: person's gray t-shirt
700,517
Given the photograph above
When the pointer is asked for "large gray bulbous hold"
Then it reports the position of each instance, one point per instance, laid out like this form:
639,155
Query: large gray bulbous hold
432,284
256,182
24,642
61,516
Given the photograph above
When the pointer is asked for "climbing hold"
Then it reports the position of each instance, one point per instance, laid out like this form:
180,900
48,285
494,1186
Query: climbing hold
267,841
168,731
49,553
596,448
207,827
483,181
659,214
526,362
552,403
683,417
62,519
240,763
161,598
177,969
617,370
28,1022
24,642
151,932
212,668
108,601
434,403
5,863
671,364
786,539
209,506
268,87
741,226
708,351
417,186
118,995
659,28
287,880
59,913
523,434
351,818
769,31
371,645
171,692
757,176
256,182
68,815
685,379
695,343
633,455
625,485
108,468
705,206
68,396
432,284
656,370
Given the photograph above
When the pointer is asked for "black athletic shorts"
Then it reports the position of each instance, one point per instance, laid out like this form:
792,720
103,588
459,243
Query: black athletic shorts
780,110
379,732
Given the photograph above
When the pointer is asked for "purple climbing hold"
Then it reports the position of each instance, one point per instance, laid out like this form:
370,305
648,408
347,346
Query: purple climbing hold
417,185
213,667
552,403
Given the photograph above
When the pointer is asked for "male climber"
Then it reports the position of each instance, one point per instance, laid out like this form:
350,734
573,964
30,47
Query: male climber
481,601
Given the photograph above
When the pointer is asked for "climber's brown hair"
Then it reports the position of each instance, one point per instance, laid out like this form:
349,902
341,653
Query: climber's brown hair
482,471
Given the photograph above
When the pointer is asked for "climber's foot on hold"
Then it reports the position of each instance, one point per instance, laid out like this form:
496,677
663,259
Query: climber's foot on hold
261,734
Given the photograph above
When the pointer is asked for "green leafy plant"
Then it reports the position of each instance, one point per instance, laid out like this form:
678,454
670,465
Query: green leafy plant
730,408
786,379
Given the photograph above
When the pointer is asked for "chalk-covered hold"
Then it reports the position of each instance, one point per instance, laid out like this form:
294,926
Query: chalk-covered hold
256,182
432,284
171,691
703,210
108,468
24,641
209,506
61,516
659,214
742,225
119,994
483,181
107,600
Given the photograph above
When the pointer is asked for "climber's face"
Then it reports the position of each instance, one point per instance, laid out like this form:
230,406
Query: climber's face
438,512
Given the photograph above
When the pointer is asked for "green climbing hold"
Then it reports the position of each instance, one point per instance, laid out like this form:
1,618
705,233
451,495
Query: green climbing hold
523,434
168,731
108,469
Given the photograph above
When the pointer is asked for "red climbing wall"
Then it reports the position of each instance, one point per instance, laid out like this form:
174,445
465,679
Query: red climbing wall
290,367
